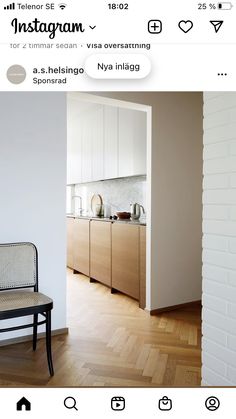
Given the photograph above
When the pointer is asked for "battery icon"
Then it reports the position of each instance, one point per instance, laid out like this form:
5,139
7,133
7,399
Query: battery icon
225,5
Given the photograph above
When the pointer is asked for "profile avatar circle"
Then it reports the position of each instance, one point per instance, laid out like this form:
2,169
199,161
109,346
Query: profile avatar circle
212,403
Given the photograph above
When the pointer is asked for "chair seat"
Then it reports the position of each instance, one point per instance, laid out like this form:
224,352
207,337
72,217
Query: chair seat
14,300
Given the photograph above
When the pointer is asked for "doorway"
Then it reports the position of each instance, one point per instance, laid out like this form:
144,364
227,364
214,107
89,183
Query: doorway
86,103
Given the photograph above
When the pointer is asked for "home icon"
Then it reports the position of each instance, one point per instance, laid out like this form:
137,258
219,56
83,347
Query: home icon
23,404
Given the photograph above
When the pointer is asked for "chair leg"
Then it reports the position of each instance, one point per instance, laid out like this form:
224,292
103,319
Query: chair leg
35,331
48,342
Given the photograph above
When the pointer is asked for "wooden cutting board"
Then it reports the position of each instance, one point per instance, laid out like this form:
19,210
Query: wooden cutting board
95,200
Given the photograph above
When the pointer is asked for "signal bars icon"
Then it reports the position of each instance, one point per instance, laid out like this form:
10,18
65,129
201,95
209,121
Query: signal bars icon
10,7
62,6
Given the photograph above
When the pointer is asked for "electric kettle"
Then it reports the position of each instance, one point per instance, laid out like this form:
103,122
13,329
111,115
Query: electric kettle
135,210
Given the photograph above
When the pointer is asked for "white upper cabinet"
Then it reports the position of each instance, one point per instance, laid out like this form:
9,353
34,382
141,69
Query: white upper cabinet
104,142
132,142
97,123
110,142
140,143
87,144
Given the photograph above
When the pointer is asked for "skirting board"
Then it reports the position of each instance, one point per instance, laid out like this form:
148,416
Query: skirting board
171,308
28,338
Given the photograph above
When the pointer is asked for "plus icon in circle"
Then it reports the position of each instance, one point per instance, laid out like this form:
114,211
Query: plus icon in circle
155,26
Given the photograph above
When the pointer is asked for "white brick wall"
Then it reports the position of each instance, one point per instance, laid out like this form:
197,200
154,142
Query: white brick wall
219,240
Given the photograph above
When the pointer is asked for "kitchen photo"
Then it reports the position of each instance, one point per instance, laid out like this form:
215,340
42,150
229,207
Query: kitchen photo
104,191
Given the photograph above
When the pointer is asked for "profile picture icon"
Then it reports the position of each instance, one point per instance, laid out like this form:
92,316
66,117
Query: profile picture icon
212,403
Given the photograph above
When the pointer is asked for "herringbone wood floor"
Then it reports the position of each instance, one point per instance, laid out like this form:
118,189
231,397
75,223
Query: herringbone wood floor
111,343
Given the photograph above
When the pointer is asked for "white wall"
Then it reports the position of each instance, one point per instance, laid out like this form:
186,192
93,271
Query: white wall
219,240
32,186
176,194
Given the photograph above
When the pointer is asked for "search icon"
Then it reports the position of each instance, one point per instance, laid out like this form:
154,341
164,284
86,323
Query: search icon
70,403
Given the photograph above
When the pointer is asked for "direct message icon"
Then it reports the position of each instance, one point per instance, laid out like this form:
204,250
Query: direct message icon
165,403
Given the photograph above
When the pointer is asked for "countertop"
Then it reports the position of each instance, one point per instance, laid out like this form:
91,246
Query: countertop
87,217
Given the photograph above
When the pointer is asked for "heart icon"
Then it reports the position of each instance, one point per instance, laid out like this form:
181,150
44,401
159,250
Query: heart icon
185,25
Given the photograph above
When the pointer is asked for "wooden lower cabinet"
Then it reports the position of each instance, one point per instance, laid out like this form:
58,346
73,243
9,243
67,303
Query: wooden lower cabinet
142,266
81,246
100,251
125,259
70,241
111,253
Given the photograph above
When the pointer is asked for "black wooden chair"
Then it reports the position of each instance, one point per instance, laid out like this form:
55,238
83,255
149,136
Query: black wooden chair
18,278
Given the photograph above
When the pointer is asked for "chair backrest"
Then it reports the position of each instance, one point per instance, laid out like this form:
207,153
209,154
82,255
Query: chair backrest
18,266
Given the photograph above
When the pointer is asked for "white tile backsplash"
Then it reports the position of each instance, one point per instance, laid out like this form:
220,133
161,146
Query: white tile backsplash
117,194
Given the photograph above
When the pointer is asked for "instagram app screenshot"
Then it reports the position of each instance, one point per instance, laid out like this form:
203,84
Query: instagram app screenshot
117,208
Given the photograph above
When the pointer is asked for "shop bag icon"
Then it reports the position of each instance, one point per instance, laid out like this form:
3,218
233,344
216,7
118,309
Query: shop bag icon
165,403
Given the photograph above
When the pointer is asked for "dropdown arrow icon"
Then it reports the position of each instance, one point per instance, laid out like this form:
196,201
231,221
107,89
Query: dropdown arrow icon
92,27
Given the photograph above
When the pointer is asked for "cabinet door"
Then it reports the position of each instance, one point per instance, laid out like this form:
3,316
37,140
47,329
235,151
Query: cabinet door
74,143
92,144
81,246
132,142
110,142
70,243
100,251
97,143
125,259
142,299
87,142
